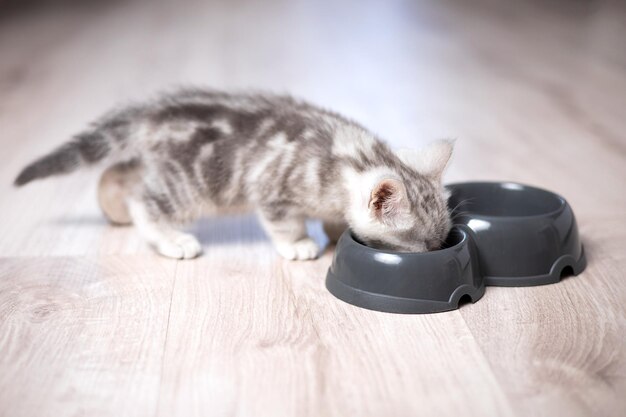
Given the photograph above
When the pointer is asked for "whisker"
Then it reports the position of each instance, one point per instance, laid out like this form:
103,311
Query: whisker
459,214
462,202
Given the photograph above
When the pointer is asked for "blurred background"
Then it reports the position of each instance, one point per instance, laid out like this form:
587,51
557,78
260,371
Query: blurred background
486,70
534,91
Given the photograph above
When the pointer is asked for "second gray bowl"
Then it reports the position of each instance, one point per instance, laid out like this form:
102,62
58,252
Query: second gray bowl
524,235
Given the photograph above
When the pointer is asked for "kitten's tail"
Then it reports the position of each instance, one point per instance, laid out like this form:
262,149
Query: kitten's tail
86,148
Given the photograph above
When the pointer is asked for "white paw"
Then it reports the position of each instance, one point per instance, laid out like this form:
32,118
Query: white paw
180,246
301,250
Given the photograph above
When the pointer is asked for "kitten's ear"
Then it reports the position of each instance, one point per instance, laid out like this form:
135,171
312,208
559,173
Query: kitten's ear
388,199
431,160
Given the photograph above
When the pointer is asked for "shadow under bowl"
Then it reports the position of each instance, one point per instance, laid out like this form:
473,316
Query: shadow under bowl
399,282
523,235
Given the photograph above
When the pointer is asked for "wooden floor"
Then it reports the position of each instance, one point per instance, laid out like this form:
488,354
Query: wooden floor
93,324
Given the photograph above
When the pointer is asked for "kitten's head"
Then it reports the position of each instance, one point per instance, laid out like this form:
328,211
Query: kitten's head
408,212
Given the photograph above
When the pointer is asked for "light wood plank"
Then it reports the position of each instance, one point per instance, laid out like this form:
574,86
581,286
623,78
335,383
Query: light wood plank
235,343
82,336
379,364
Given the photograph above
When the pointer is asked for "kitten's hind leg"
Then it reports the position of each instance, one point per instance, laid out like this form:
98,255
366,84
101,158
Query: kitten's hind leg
116,184
164,238
290,237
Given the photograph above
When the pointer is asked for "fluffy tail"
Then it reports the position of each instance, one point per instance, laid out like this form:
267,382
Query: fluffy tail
84,149
105,141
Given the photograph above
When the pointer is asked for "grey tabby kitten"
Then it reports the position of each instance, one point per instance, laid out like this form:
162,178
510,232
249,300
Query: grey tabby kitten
197,152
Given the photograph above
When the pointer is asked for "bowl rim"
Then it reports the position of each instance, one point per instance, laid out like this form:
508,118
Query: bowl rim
562,203
459,228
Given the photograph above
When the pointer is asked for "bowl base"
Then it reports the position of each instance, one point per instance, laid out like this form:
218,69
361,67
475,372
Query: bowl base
391,304
565,261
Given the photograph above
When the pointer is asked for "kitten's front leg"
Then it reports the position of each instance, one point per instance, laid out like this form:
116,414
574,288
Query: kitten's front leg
290,237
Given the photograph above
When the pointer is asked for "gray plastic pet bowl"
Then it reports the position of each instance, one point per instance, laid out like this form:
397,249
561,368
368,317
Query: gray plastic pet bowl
524,235
405,282
504,234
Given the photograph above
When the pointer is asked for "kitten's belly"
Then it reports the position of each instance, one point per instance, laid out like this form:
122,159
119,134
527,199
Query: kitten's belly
228,210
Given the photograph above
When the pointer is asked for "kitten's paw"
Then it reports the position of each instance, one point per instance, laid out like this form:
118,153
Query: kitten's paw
181,246
301,250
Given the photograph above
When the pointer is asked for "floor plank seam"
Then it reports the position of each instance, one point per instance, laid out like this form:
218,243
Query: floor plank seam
509,399
167,331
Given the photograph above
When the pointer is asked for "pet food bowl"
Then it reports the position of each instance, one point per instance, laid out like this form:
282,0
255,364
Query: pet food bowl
523,235
398,282
504,234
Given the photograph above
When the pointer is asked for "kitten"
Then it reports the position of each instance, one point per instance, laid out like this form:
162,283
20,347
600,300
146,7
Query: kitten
196,152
